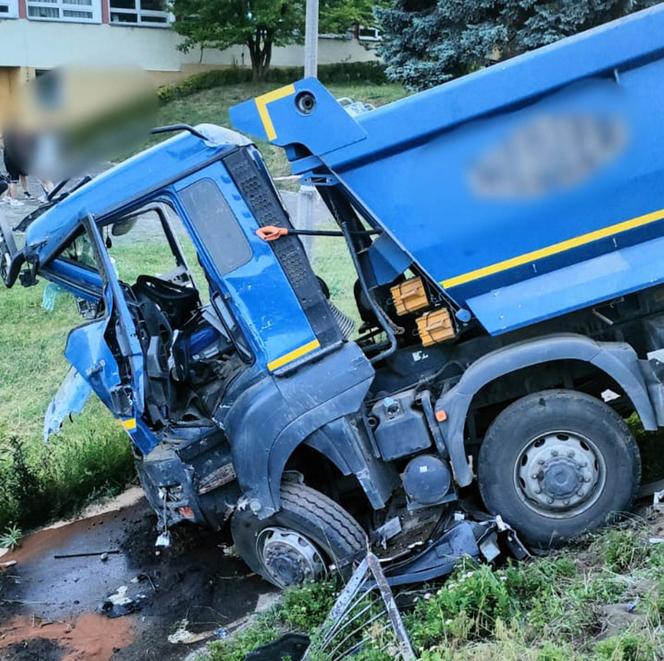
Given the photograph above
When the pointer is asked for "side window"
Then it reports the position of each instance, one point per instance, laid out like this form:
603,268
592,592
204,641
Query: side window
139,246
216,225
80,251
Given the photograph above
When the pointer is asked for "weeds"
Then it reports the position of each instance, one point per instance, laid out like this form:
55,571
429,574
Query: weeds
11,538
301,609
621,551
628,646
90,457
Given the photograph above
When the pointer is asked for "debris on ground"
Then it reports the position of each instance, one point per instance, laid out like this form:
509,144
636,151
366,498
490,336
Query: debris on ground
120,603
181,583
182,635
364,610
290,646
163,540
87,554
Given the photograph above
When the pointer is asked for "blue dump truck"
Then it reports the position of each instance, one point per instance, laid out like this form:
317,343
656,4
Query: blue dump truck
507,233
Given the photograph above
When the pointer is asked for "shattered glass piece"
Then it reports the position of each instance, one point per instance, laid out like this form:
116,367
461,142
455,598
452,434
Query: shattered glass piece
50,296
71,397
164,540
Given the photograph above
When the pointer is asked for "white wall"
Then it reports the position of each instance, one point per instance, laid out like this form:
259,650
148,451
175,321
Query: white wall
44,45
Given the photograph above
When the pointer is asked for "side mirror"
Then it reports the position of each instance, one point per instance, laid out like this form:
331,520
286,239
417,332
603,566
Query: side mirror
124,226
10,258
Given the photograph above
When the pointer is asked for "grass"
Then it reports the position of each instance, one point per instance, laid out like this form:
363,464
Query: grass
601,600
91,456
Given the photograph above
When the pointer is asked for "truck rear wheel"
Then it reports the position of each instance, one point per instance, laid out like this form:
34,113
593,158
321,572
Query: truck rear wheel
299,542
557,463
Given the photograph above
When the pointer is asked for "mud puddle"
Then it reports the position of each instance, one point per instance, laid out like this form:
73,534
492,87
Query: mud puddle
49,608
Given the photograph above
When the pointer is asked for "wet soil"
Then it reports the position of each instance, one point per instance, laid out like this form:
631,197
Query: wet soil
50,608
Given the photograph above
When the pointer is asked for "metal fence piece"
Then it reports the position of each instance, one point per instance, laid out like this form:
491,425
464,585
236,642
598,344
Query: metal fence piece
365,611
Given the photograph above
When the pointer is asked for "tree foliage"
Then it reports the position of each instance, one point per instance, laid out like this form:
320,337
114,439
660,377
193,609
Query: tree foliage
337,16
427,42
257,24
260,25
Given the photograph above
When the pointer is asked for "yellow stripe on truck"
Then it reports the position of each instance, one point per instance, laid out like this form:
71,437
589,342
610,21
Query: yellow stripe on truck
293,355
261,105
129,424
554,249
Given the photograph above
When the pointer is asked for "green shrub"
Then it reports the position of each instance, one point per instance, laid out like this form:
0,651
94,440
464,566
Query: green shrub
628,646
306,607
467,607
622,549
239,646
40,481
343,72
11,538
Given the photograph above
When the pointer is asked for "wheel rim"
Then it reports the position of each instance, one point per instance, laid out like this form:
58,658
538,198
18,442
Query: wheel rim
559,474
289,557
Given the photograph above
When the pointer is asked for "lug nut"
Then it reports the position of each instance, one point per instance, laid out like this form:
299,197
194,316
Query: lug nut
535,476
586,479
566,501
549,500
579,492
554,453
538,490
540,462
571,453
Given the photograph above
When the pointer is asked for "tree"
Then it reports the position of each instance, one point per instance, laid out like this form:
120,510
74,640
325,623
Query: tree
260,25
257,24
427,42
338,16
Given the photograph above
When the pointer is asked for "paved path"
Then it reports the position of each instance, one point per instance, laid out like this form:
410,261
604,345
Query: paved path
49,607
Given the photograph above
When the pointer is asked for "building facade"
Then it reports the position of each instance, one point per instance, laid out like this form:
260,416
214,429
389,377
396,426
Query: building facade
39,35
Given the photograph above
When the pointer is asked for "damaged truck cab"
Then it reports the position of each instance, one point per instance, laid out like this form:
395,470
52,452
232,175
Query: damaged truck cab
505,231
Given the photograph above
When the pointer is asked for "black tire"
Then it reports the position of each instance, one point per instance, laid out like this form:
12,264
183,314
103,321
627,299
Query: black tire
310,514
510,448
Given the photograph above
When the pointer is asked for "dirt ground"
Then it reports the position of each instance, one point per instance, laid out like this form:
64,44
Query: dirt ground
50,607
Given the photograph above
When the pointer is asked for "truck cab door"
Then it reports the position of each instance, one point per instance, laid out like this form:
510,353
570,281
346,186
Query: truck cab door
106,352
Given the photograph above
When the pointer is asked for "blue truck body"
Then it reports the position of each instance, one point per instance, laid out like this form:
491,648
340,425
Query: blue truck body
413,168
505,231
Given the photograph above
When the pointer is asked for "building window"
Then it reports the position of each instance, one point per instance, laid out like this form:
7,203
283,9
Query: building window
76,11
140,12
8,9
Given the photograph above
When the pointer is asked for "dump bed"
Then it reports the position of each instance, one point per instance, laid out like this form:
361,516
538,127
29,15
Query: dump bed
526,190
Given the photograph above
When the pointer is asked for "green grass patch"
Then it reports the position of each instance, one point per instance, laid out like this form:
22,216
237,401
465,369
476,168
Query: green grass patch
90,458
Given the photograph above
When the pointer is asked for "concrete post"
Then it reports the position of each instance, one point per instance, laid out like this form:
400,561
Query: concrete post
306,203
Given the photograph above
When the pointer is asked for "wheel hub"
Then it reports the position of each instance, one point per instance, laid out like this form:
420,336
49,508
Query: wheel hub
289,557
559,474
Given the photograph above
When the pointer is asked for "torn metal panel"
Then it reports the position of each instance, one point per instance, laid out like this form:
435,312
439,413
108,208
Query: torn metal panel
365,612
71,397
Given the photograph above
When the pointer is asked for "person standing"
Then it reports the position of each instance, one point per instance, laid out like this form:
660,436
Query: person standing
17,174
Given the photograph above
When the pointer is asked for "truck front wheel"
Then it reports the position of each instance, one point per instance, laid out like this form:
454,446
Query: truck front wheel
298,543
558,463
